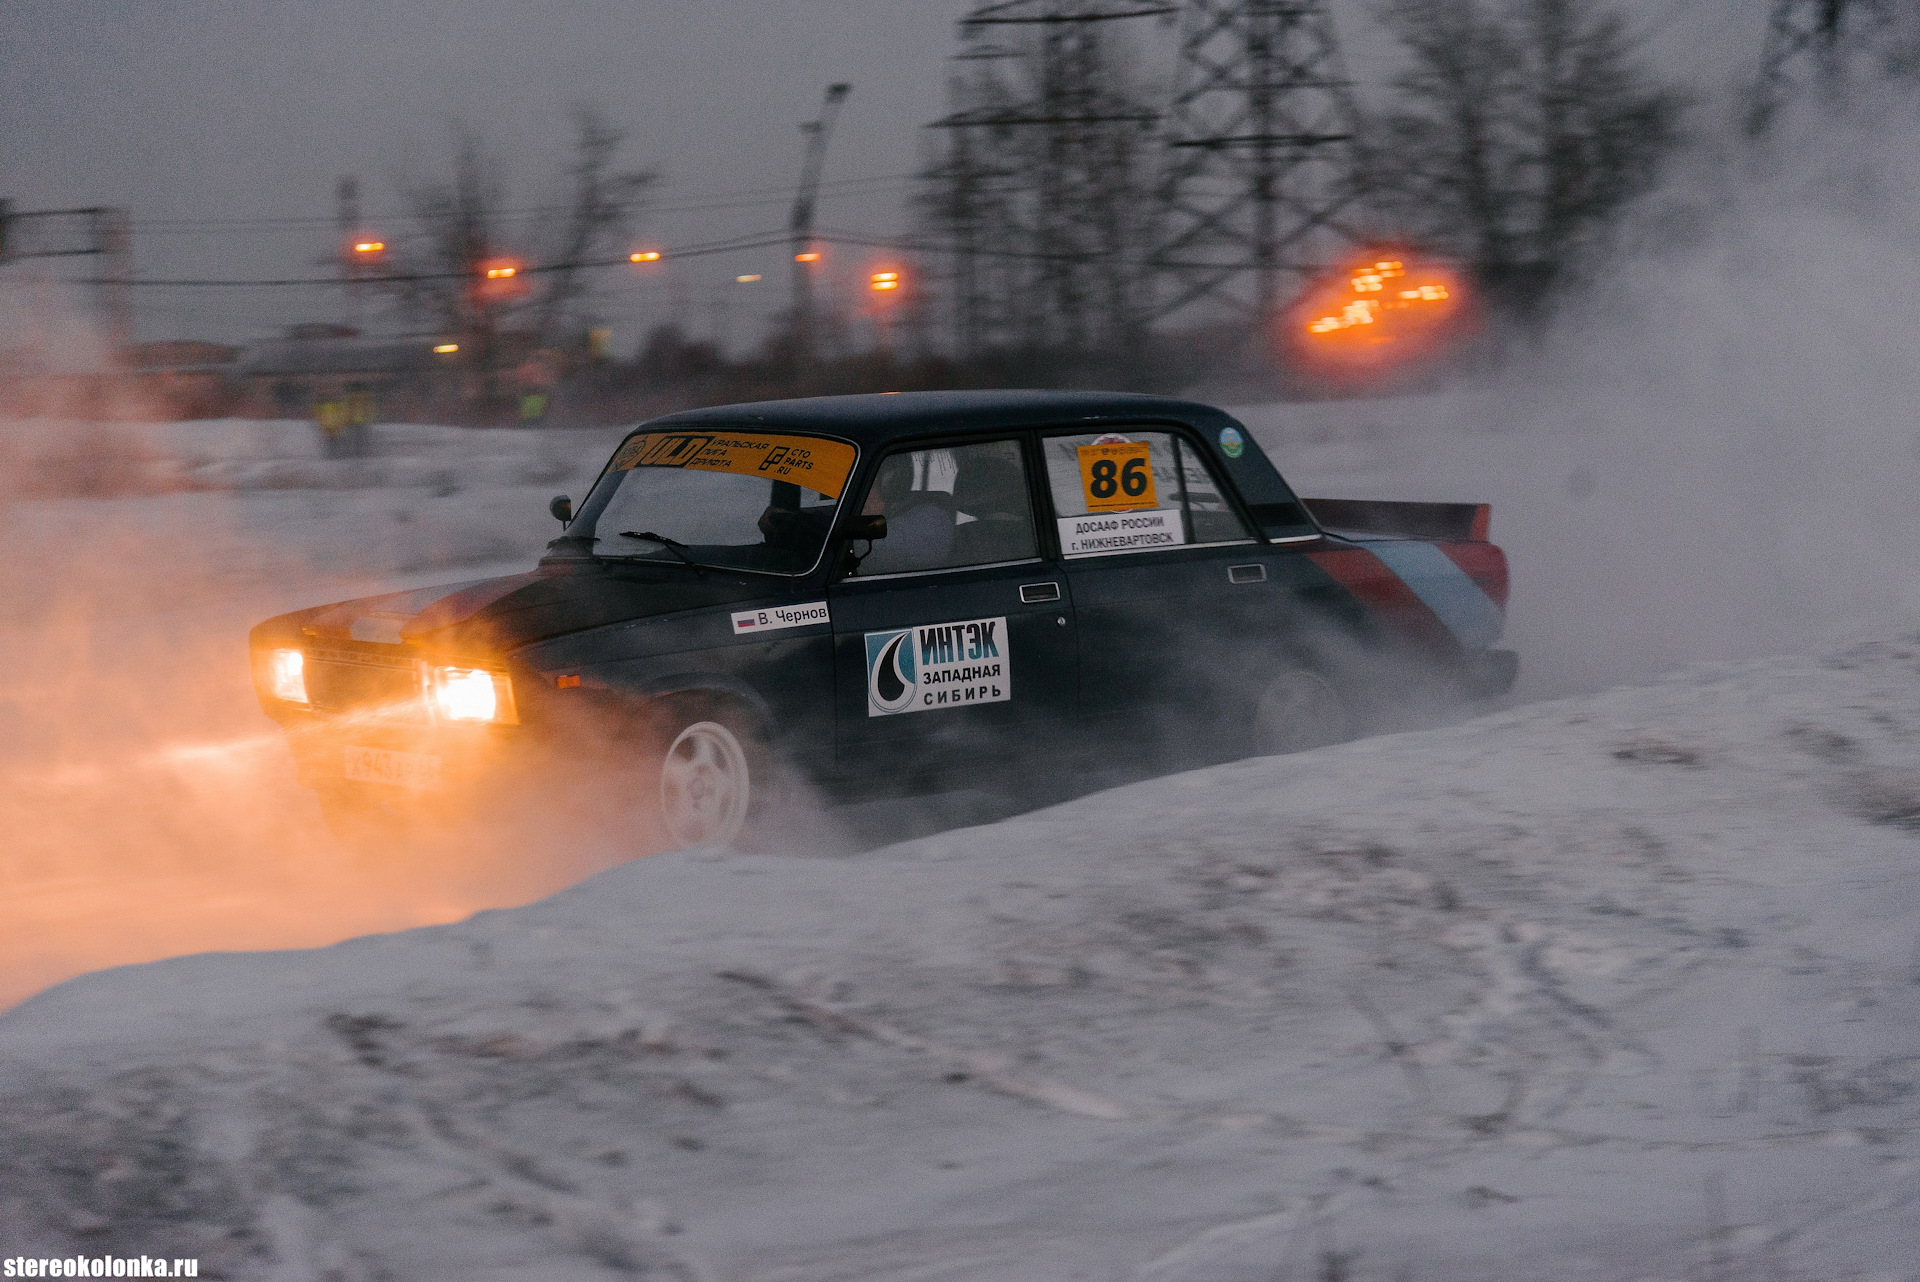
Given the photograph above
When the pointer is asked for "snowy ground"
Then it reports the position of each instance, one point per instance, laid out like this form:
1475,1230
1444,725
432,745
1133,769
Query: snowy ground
1617,987
257,498
1621,987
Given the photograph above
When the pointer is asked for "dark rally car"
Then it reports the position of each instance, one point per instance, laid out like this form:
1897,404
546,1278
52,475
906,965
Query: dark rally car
891,593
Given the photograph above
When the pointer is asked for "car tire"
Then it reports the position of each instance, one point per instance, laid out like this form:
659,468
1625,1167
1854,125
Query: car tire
712,776
1298,710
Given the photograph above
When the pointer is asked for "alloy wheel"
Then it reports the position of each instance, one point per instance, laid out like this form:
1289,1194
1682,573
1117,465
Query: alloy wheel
705,786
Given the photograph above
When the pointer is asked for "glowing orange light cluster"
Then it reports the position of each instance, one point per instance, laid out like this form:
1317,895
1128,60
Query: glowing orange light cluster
884,281
1380,300
644,256
502,273
369,246
809,257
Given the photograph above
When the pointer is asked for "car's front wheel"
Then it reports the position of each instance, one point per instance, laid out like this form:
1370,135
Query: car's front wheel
1298,710
706,784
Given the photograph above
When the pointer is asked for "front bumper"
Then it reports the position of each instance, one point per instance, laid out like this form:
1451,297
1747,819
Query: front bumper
424,762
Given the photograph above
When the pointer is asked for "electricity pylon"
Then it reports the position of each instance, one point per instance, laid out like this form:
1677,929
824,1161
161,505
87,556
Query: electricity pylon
1267,165
1043,165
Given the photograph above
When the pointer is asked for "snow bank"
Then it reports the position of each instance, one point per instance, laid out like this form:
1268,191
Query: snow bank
1619,987
256,503
80,458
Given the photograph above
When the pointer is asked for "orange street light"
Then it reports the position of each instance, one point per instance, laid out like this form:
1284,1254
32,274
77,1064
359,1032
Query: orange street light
810,256
748,279
883,281
499,280
644,256
369,246
446,349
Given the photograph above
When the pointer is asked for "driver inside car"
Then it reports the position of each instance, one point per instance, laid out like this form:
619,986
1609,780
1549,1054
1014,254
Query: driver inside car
788,527
920,523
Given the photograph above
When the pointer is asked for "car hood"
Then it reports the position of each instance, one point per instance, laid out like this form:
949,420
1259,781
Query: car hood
502,614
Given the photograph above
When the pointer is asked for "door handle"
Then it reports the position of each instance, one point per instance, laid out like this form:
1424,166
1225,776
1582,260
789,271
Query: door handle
1246,574
1034,593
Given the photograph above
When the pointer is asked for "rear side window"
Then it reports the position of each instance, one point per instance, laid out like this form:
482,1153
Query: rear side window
1209,516
1133,492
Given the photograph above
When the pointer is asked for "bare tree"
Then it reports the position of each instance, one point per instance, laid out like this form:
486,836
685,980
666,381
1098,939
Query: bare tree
599,216
1898,41
458,222
1452,154
445,275
1520,132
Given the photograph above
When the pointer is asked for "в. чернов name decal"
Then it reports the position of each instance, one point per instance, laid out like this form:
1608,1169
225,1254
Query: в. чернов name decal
776,617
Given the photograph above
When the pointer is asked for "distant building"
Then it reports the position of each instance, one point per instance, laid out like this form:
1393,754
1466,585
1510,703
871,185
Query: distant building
186,378
323,364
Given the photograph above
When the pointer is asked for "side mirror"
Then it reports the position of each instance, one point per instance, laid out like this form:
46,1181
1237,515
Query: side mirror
562,509
868,527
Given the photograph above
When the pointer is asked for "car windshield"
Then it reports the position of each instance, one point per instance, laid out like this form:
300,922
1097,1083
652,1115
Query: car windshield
727,500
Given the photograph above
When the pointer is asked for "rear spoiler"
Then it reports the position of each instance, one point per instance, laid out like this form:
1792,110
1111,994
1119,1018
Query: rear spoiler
1453,522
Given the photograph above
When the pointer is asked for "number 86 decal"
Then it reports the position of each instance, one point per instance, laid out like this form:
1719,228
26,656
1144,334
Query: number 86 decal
1133,480
1117,476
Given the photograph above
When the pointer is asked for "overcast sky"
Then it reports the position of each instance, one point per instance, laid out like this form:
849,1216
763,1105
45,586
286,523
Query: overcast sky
210,119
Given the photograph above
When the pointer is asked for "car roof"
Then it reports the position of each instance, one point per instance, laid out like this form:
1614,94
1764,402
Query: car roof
877,418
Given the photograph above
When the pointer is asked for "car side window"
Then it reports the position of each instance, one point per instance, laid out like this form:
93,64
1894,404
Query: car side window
1133,492
948,508
1209,516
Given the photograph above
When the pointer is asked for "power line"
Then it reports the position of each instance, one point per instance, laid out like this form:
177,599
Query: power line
753,196
691,251
1078,256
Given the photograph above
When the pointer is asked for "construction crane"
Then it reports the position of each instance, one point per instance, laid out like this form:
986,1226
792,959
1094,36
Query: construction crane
806,259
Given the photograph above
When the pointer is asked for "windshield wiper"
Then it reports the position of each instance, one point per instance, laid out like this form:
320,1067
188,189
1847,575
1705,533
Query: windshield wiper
674,546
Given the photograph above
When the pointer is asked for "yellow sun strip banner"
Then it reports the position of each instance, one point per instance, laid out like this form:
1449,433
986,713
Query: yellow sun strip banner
820,465
1118,476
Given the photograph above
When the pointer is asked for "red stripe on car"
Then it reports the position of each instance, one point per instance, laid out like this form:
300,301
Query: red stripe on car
1485,564
1381,591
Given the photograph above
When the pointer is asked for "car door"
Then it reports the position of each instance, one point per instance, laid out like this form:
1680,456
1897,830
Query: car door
954,640
1176,601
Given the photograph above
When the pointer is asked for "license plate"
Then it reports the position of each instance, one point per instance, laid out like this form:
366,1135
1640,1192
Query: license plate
402,769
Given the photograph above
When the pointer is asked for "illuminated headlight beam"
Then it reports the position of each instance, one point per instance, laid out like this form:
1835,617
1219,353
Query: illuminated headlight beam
471,695
287,675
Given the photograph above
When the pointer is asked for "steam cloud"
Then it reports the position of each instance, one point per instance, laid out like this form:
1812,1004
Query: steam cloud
1710,455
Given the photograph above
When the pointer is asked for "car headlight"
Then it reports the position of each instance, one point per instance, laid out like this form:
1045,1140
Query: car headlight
286,674
471,694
